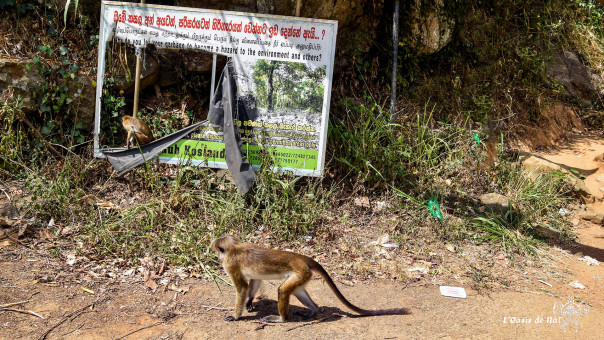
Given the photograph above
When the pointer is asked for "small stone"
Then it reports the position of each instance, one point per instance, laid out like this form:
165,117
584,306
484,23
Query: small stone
577,285
362,202
495,202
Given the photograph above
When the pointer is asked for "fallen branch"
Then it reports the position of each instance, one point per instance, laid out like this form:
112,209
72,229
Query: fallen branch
21,311
138,330
74,313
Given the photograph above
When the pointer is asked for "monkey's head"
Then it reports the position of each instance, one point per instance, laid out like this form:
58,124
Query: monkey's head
126,118
223,245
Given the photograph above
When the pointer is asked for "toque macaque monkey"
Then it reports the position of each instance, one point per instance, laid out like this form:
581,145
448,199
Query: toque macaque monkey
248,264
136,129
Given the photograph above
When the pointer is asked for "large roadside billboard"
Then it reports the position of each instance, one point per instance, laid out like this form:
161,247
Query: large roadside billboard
283,68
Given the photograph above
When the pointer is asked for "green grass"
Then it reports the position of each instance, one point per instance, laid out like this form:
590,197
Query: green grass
176,218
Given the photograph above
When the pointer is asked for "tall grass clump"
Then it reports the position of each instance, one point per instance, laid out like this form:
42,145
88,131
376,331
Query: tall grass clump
178,219
366,144
535,210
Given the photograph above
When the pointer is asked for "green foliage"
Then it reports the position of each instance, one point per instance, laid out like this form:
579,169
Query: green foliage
112,110
495,64
184,214
66,10
55,195
11,135
58,72
165,123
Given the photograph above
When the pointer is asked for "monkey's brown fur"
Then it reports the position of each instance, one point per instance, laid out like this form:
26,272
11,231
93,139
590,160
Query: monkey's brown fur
248,264
136,128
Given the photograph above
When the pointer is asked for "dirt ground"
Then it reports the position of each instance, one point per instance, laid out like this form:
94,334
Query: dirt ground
76,297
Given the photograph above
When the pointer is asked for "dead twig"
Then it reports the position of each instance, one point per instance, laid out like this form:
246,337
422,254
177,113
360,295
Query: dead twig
138,330
39,135
209,308
21,311
14,303
7,235
74,313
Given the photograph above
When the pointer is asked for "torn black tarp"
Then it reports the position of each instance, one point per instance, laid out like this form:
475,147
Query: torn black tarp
124,160
224,109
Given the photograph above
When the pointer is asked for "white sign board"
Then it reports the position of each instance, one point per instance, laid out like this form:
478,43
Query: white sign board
283,70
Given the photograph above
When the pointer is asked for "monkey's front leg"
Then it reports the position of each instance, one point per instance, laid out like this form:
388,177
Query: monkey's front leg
129,138
242,292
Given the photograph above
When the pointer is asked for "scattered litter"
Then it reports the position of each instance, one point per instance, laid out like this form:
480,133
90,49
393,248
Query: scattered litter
545,283
563,212
381,240
456,292
175,288
106,205
576,284
381,205
362,202
89,199
589,260
149,282
422,270
450,247
597,278
71,259
390,245
347,283
87,290
435,209
381,252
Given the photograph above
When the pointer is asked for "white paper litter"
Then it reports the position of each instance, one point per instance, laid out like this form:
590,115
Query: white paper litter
456,292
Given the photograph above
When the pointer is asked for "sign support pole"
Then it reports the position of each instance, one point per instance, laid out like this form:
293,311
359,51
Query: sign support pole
137,79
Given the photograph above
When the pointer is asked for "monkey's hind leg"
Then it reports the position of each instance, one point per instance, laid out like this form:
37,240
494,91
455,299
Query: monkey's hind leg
287,288
253,289
303,296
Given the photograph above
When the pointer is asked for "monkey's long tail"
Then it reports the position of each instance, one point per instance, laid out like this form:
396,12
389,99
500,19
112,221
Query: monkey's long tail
394,311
